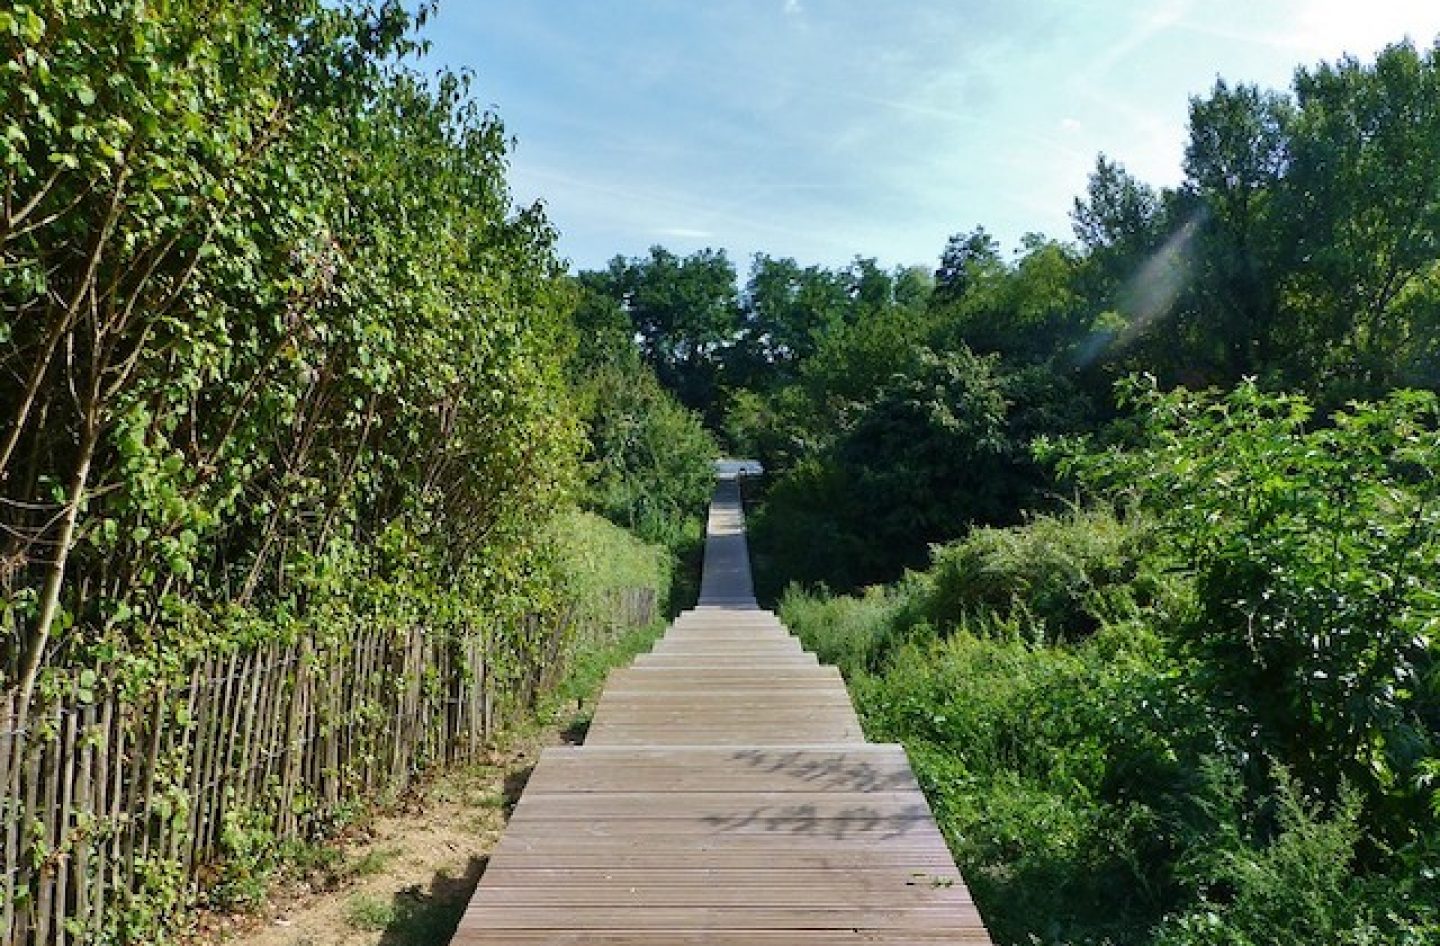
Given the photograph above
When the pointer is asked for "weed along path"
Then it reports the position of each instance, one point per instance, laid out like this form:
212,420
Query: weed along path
724,795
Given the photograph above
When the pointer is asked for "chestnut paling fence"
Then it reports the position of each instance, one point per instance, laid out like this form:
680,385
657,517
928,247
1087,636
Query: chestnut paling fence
112,806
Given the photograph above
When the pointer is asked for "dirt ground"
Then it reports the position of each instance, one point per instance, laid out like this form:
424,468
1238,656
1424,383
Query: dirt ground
406,878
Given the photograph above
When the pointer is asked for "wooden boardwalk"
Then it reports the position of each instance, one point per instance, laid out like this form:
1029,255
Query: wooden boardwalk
724,795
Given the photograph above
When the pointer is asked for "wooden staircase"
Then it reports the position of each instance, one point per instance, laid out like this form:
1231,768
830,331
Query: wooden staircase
724,795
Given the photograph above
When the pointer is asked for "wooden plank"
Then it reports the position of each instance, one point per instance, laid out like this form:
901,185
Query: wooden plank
723,703
758,827
798,916
692,770
790,728
738,711
807,697
788,678
736,690
831,858
819,893
742,716
727,737
468,934
728,617
785,646
720,807
764,631
864,877
777,674
691,662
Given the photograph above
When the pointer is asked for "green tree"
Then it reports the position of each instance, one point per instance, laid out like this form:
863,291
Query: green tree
650,458
933,448
1118,214
968,258
684,312
787,309
273,315
1363,218
1029,312
1234,162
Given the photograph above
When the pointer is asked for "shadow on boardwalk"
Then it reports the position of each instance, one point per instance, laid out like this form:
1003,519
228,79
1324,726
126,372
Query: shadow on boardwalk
806,821
837,773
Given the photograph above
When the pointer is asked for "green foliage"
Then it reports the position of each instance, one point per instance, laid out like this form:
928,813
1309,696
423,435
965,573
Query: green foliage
934,449
682,311
855,633
1117,217
786,310
1061,577
282,359
251,856
1031,312
967,260
594,559
1297,887
1365,141
1312,549
1096,704
650,463
1301,246
308,341
364,911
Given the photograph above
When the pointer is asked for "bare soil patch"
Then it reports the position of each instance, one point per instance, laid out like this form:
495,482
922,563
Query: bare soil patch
405,878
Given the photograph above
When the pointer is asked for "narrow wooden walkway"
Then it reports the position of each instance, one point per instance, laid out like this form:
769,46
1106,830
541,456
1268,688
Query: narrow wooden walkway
724,795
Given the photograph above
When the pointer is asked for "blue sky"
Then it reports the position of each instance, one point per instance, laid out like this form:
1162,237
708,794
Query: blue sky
826,129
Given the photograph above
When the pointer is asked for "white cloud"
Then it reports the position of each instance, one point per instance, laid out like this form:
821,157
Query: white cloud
1324,29
684,233
1328,27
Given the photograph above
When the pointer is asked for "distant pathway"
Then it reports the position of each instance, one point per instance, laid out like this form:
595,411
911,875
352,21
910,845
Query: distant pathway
725,796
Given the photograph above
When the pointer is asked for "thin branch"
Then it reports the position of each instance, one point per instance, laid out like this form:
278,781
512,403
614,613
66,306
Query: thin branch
62,327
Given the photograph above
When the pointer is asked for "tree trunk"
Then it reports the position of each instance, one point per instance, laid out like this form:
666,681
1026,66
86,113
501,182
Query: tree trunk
55,577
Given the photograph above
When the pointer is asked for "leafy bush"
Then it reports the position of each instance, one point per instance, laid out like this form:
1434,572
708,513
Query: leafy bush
314,353
1298,886
650,460
1082,696
1061,576
855,633
1313,549
594,560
